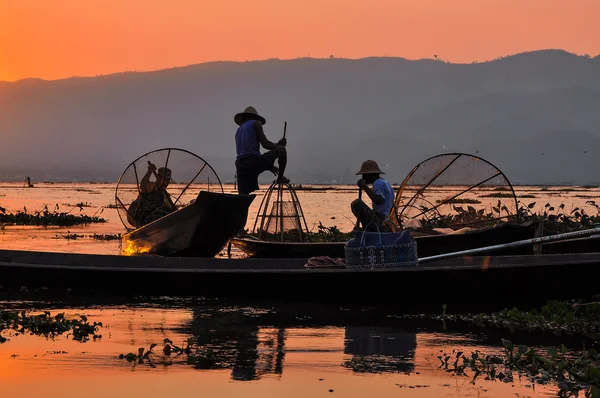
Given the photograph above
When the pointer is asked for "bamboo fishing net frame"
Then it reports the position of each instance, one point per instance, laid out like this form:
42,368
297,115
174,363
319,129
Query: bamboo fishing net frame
432,171
273,213
193,171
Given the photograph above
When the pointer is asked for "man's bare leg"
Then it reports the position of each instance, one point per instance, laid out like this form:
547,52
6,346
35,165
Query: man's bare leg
282,162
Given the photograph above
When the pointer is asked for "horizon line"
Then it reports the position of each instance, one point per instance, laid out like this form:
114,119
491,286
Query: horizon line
587,56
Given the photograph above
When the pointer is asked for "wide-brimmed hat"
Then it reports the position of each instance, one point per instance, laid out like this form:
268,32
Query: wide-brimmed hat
250,113
369,167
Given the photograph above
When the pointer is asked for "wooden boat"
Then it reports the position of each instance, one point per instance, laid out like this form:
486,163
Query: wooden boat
490,281
200,229
427,245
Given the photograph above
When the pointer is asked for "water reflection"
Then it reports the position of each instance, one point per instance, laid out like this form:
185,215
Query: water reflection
234,343
380,350
230,341
252,345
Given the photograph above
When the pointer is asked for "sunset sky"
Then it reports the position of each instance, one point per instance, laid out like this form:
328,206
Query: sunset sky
58,39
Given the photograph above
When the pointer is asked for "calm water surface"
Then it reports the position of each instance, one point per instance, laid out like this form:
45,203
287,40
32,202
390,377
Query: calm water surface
260,351
331,207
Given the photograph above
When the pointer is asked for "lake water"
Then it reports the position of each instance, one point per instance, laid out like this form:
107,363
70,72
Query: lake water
330,207
259,351
262,350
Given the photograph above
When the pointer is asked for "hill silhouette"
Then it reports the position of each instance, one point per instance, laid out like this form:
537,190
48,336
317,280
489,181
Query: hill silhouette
339,112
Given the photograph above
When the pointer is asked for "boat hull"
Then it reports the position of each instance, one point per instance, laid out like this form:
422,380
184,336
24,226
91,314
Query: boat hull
201,229
468,282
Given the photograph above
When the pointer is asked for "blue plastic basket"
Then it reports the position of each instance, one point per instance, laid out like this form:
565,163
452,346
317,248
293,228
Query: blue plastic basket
381,250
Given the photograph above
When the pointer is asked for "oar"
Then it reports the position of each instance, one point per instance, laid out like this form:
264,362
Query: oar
359,198
284,130
519,243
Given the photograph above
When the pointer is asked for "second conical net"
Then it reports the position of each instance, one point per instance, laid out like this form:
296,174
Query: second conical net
280,217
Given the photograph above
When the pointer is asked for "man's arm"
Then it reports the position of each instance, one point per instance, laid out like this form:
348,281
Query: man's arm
145,184
375,197
262,138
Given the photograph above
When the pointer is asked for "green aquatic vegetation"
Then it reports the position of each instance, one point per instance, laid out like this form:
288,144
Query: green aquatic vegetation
46,217
69,236
459,201
373,364
81,205
329,234
189,353
497,195
557,317
323,234
461,216
47,325
106,237
556,219
102,237
571,372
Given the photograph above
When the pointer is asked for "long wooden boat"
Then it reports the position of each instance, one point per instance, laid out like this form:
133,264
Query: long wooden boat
490,281
427,245
200,229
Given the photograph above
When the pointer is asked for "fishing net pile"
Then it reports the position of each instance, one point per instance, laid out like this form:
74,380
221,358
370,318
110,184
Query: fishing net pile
160,182
280,217
454,191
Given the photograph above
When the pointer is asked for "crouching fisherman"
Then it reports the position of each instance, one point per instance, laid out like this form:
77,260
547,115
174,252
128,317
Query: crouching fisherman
381,195
153,201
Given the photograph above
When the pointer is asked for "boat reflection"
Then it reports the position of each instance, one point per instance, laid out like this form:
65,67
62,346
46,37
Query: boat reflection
230,341
254,346
379,349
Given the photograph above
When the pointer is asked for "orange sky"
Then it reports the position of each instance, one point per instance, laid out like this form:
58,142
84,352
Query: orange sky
57,39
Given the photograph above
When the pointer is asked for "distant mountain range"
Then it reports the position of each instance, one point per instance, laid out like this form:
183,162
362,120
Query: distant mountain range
534,115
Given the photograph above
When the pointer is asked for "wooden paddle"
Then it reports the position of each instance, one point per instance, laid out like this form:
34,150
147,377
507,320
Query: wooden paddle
359,198
284,130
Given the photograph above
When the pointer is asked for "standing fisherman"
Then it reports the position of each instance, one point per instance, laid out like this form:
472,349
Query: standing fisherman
250,163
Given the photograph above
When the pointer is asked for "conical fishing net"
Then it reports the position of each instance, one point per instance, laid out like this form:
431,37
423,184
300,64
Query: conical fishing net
280,217
454,191
144,192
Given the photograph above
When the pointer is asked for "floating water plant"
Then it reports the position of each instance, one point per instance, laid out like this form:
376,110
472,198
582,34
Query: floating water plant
46,325
572,372
459,201
497,195
323,234
103,237
47,218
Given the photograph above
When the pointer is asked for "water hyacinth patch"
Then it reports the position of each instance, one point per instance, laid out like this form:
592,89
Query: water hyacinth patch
46,325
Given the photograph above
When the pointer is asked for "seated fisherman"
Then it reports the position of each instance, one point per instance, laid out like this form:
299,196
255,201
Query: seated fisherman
153,201
381,195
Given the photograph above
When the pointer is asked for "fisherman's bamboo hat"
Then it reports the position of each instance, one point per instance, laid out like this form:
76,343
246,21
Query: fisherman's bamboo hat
369,167
250,113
